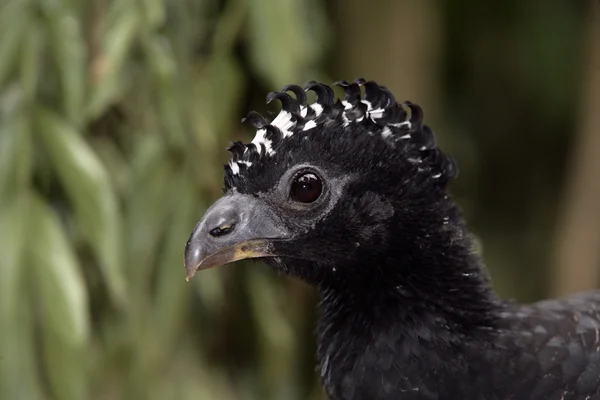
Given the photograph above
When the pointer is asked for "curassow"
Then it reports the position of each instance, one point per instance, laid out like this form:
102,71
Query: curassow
351,197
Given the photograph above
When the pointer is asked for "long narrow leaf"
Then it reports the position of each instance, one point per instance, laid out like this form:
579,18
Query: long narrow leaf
168,309
276,335
18,371
164,69
147,222
108,63
61,297
172,293
54,268
15,156
13,22
65,367
89,189
30,60
151,174
68,47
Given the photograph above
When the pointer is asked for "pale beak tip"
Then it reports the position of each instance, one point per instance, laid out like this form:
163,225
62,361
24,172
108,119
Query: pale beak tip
190,274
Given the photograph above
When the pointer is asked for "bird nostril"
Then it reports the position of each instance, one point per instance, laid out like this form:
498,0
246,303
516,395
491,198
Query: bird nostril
221,230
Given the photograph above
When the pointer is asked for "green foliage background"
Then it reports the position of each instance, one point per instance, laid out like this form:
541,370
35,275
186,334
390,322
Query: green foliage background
113,119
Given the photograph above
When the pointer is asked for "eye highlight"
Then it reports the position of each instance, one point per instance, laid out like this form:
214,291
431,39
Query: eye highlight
306,188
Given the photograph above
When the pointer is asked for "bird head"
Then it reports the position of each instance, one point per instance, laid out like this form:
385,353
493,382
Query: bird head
327,191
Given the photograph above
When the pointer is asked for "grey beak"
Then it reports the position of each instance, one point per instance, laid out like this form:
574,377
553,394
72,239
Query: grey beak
235,227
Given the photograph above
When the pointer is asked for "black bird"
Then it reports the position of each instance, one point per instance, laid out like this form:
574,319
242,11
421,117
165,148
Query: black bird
351,197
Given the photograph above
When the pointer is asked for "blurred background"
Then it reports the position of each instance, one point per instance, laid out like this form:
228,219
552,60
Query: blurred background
114,116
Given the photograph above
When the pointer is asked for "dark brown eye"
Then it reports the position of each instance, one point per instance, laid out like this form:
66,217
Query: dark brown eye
306,188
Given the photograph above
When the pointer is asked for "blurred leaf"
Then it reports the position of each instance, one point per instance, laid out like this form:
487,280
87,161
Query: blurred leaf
169,306
217,94
68,51
172,292
15,155
189,378
13,21
147,219
146,206
61,296
276,334
154,12
18,371
229,26
30,60
89,188
65,366
285,38
108,63
164,69
62,292
115,163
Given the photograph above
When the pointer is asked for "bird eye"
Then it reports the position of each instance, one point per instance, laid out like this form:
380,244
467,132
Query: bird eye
306,188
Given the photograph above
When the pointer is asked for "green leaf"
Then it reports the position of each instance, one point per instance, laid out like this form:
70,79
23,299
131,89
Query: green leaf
13,20
52,265
61,296
164,69
146,206
65,367
31,52
215,93
89,188
189,378
172,292
108,63
68,51
276,342
154,12
18,370
216,96
13,214
286,38
229,26
168,308
15,155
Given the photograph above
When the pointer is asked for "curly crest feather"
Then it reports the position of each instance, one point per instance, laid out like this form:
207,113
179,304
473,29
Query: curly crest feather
366,105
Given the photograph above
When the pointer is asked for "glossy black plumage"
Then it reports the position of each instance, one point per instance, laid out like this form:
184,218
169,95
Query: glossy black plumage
407,309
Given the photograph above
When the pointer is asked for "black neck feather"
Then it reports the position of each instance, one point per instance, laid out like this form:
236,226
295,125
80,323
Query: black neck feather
429,296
